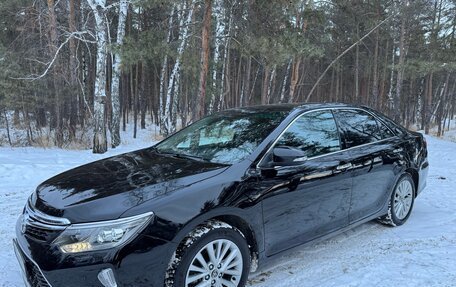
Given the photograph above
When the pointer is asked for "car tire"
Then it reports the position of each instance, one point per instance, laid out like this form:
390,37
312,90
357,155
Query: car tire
401,202
212,253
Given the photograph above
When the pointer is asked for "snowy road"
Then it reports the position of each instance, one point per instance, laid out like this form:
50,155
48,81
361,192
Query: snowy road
420,253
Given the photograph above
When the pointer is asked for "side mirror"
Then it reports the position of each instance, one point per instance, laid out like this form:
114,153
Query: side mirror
288,156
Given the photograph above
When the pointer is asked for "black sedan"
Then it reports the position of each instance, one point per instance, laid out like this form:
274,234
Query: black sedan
216,200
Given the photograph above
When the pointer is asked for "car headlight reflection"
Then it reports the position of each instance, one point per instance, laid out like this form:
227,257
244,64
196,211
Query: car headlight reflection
101,235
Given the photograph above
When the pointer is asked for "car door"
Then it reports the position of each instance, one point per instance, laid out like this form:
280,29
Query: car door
373,148
311,199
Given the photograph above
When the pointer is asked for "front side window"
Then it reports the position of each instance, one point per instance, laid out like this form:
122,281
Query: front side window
315,133
224,138
358,127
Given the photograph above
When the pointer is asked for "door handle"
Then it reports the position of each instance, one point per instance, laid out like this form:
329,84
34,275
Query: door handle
344,166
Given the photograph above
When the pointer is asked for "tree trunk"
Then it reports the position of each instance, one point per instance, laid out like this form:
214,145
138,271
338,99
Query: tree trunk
294,79
201,97
7,128
285,81
375,91
226,63
441,107
400,71
356,96
100,144
434,45
164,72
390,92
134,91
246,83
428,104
264,89
116,76
384,78
143,93
220,31
56,76
173,81
271,85
73,73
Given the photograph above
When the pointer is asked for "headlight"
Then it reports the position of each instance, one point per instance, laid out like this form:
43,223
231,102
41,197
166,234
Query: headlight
101,235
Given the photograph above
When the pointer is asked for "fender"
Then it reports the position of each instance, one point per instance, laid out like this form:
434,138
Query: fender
252,216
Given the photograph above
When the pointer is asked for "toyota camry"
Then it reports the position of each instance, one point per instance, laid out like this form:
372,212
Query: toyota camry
216,200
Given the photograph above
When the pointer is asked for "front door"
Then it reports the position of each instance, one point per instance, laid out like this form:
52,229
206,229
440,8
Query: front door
311,199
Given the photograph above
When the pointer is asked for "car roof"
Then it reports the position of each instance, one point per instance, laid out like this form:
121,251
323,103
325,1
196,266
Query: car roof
289,107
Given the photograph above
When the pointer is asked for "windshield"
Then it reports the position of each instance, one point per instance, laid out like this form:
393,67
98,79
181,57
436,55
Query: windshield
224,138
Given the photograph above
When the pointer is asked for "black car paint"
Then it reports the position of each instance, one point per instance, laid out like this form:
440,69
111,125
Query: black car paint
278,208
120,182
303,202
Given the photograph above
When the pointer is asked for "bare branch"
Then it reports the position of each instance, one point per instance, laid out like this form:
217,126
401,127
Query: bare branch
115,4
343,53
51,63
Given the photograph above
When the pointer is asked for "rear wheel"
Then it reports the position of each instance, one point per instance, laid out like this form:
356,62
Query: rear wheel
401,202
215,255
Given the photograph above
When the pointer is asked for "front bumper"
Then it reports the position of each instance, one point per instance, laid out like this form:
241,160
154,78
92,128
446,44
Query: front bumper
31,272
142,262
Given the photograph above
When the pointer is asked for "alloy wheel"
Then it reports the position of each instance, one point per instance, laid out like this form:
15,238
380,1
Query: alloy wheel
217,264
403,199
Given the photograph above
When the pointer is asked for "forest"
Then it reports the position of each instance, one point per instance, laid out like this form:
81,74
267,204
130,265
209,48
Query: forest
77,72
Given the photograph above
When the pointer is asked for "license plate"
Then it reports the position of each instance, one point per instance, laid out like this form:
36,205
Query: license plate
21,261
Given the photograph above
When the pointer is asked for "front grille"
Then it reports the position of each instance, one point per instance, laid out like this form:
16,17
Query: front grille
36,233
41,234
39,226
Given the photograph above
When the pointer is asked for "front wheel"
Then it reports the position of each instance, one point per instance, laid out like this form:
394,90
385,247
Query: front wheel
215,256
401,202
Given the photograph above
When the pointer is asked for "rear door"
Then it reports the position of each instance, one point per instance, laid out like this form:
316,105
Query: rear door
374,152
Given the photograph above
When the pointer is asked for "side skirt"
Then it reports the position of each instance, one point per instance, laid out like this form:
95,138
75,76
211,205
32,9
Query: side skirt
268,262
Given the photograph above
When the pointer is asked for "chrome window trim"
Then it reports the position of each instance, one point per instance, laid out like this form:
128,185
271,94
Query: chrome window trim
377,118
43,218
331,153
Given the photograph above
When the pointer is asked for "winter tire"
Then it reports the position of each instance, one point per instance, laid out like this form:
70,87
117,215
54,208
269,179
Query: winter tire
401,202
214,255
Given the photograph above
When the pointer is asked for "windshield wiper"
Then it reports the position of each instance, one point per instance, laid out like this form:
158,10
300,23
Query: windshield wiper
181,155
194,157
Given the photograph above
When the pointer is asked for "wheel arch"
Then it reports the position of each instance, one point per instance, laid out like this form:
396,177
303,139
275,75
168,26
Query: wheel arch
415,176
251,229
247,231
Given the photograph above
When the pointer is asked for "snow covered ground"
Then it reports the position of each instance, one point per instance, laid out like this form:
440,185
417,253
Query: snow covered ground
420,253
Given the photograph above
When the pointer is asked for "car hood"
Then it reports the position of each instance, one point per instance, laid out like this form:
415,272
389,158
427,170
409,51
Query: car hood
105,189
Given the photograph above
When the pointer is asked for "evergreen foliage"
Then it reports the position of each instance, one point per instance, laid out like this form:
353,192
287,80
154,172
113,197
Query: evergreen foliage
263,52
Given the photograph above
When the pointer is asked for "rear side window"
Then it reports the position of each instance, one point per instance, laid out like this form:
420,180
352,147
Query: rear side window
314,133
394,126
358,127
385,131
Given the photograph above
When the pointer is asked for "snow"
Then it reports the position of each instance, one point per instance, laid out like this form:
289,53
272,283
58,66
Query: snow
450,134
420,253
21,170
